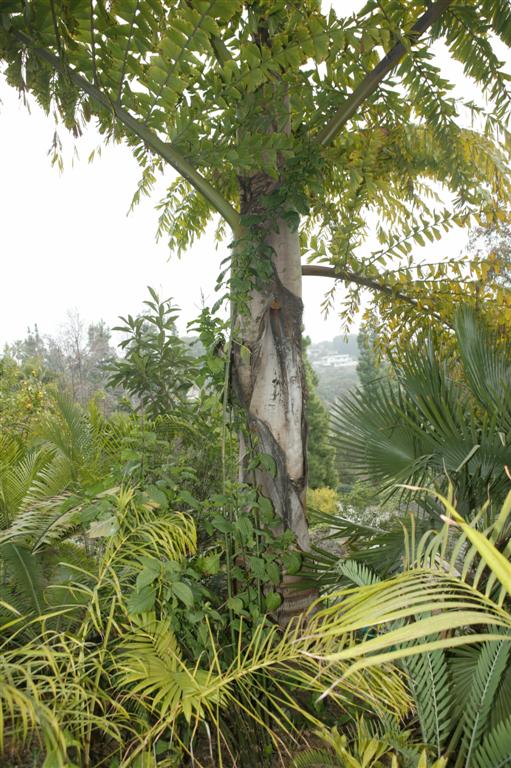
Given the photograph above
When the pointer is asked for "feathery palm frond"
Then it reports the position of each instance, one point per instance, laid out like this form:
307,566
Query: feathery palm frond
357,573
23,714
24,586
495,749
487,366
431,687
43,524
344,650
492,661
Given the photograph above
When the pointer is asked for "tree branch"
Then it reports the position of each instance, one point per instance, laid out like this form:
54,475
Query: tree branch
373,79
151,140
336,273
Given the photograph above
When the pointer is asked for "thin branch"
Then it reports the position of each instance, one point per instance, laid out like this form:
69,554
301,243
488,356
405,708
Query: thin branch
337,273
56,30
373,79
151,140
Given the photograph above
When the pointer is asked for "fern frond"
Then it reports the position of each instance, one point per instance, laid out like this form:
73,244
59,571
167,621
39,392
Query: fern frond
42,524
16,480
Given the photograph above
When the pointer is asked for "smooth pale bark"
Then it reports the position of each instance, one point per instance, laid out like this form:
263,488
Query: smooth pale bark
269,381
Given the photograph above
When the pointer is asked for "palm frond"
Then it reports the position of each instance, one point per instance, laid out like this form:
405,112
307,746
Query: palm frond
23,714
316,758
42,524
487,366
357,573
24,579
432,692
491,664
436,423
495,749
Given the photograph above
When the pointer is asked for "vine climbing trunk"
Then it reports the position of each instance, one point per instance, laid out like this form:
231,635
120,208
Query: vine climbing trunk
267,369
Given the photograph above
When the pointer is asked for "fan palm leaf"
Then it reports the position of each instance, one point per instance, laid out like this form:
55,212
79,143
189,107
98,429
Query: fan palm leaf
438,422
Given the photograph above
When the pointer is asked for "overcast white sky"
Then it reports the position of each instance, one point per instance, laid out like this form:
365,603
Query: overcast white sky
67,243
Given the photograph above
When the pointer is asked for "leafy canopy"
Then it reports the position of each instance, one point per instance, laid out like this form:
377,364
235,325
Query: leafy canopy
351,113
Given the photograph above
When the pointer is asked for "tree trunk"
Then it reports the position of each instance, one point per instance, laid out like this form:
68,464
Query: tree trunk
269,378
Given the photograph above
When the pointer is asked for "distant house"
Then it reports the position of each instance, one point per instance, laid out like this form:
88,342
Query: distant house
335,361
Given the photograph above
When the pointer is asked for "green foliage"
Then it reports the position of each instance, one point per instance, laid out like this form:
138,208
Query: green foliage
443,421
365,747
138,644
147,634
157,367
270,89
320,456
370,368
433,696
157,642
323,500
77,359
24,395
495,749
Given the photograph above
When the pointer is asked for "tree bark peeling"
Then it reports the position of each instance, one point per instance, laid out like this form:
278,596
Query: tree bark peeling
269,380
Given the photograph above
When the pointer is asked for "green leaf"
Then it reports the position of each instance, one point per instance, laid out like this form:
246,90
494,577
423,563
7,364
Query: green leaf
148,574
100,528
245,527
209,564
141,601
235,604
273,571
273,601
157,496
257,567
183,592
268,463
292,562
222,524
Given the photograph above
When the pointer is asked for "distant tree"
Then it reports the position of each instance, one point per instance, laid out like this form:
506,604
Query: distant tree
371,367
76,359
494,241
30,348
24,396
320,453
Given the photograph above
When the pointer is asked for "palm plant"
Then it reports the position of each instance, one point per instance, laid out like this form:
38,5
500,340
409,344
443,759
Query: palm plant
438,422
43,490
462,694
366,745
121,684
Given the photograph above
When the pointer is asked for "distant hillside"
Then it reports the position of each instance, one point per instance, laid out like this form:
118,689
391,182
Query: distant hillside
335,364
338,345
